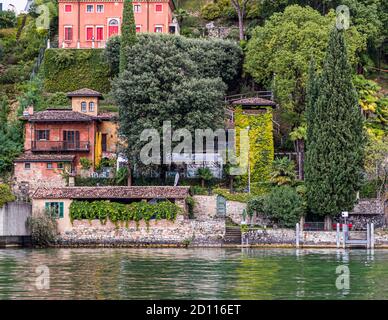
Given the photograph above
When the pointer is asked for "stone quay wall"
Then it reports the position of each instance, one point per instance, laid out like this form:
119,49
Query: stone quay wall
182,231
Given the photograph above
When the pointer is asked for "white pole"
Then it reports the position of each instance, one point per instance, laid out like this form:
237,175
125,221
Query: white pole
344,227
372,235
338,236
297,235
368,235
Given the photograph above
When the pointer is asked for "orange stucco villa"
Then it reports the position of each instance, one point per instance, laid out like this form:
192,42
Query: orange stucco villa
89,23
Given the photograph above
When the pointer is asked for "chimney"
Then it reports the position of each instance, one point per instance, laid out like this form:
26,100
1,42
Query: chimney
29,111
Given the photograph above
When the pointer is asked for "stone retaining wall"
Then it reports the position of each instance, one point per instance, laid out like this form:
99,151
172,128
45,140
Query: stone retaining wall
182,231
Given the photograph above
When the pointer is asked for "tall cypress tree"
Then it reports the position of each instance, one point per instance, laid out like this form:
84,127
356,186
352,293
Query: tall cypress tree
128,32
334,158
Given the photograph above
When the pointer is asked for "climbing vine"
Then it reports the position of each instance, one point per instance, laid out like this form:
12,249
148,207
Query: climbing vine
119,212
261,152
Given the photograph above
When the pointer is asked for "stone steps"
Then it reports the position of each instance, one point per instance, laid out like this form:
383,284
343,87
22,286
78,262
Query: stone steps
232,235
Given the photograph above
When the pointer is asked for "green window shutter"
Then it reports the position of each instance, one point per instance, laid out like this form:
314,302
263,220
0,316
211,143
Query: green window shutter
60,209
47,206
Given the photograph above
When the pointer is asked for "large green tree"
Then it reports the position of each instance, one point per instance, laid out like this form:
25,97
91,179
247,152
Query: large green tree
164,83
279,52
128,31
334,159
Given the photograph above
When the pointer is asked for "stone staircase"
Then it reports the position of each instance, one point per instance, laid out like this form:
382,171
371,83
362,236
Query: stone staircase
232,235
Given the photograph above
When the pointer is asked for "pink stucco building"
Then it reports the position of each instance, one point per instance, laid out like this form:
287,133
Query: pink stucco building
89,23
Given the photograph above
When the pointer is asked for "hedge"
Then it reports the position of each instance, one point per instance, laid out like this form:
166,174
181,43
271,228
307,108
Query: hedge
71,69
5,195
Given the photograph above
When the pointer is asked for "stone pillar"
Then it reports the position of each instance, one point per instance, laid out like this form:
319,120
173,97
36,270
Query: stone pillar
301,223
71,181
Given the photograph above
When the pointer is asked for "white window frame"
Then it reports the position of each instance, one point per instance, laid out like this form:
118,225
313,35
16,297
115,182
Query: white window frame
64,33
137,5
103,32
102,6
86,106
93,104
86,35
158,26
89,5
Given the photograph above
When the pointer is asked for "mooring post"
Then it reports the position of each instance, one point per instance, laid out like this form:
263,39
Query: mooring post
372,235
368,236
297,235
338,236
344,228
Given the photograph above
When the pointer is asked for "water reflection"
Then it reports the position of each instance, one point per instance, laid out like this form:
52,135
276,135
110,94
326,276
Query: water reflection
194,273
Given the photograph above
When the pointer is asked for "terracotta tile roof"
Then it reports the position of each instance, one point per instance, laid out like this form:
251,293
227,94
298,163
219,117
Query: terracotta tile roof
84,92
58,115
254,102
112,193
44,158
108,115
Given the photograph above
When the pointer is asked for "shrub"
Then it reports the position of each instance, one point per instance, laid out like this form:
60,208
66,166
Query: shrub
6,195
43,229
256,205
190,202
112,54
284,206
239,197
85,163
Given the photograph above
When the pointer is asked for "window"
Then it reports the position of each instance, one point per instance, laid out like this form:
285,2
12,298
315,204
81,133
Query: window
104,142
68,33
158,29
83,106
137,8
55,209
42,134
49,165
158,8
91,106
100,8
100,33
89,34
113,27
60,165
27,166
138,28
89,8
68,8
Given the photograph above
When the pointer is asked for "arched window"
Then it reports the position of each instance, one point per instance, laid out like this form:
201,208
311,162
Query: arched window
83,106
113,27
91,106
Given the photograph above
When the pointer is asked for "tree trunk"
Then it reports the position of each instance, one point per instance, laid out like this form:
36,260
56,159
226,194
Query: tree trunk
300,151
241,25
203,183
231,184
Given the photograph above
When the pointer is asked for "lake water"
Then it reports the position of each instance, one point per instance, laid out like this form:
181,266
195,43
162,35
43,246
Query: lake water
192,274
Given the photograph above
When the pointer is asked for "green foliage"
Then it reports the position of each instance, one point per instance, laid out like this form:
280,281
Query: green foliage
370,189
43,230
128,31
198,190
261,152
206,175
118,212
190,202
7,19
70,69
283,172
121,177
6,195
92,182
279,52
161,83
85,163
239,197
334,158
255,205
284,206
112,54
11,135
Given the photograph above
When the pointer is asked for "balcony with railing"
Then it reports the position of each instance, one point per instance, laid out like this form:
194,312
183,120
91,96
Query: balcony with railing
44,145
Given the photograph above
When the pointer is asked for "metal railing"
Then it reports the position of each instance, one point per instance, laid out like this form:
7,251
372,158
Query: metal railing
314,226
43,145
256,94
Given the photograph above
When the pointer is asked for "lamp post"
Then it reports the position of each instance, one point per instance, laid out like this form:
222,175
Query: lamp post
249,164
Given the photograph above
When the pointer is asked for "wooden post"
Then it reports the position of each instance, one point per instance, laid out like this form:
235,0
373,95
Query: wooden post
338,236
297,235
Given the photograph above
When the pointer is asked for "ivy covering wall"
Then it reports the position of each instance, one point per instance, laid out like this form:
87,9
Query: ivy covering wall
71,69
118,212
261,152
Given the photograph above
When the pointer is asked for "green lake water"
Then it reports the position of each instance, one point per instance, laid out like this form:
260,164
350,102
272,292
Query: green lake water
192,274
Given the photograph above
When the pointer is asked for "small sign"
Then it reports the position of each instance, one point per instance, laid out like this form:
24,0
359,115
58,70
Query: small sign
221,206
345,214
